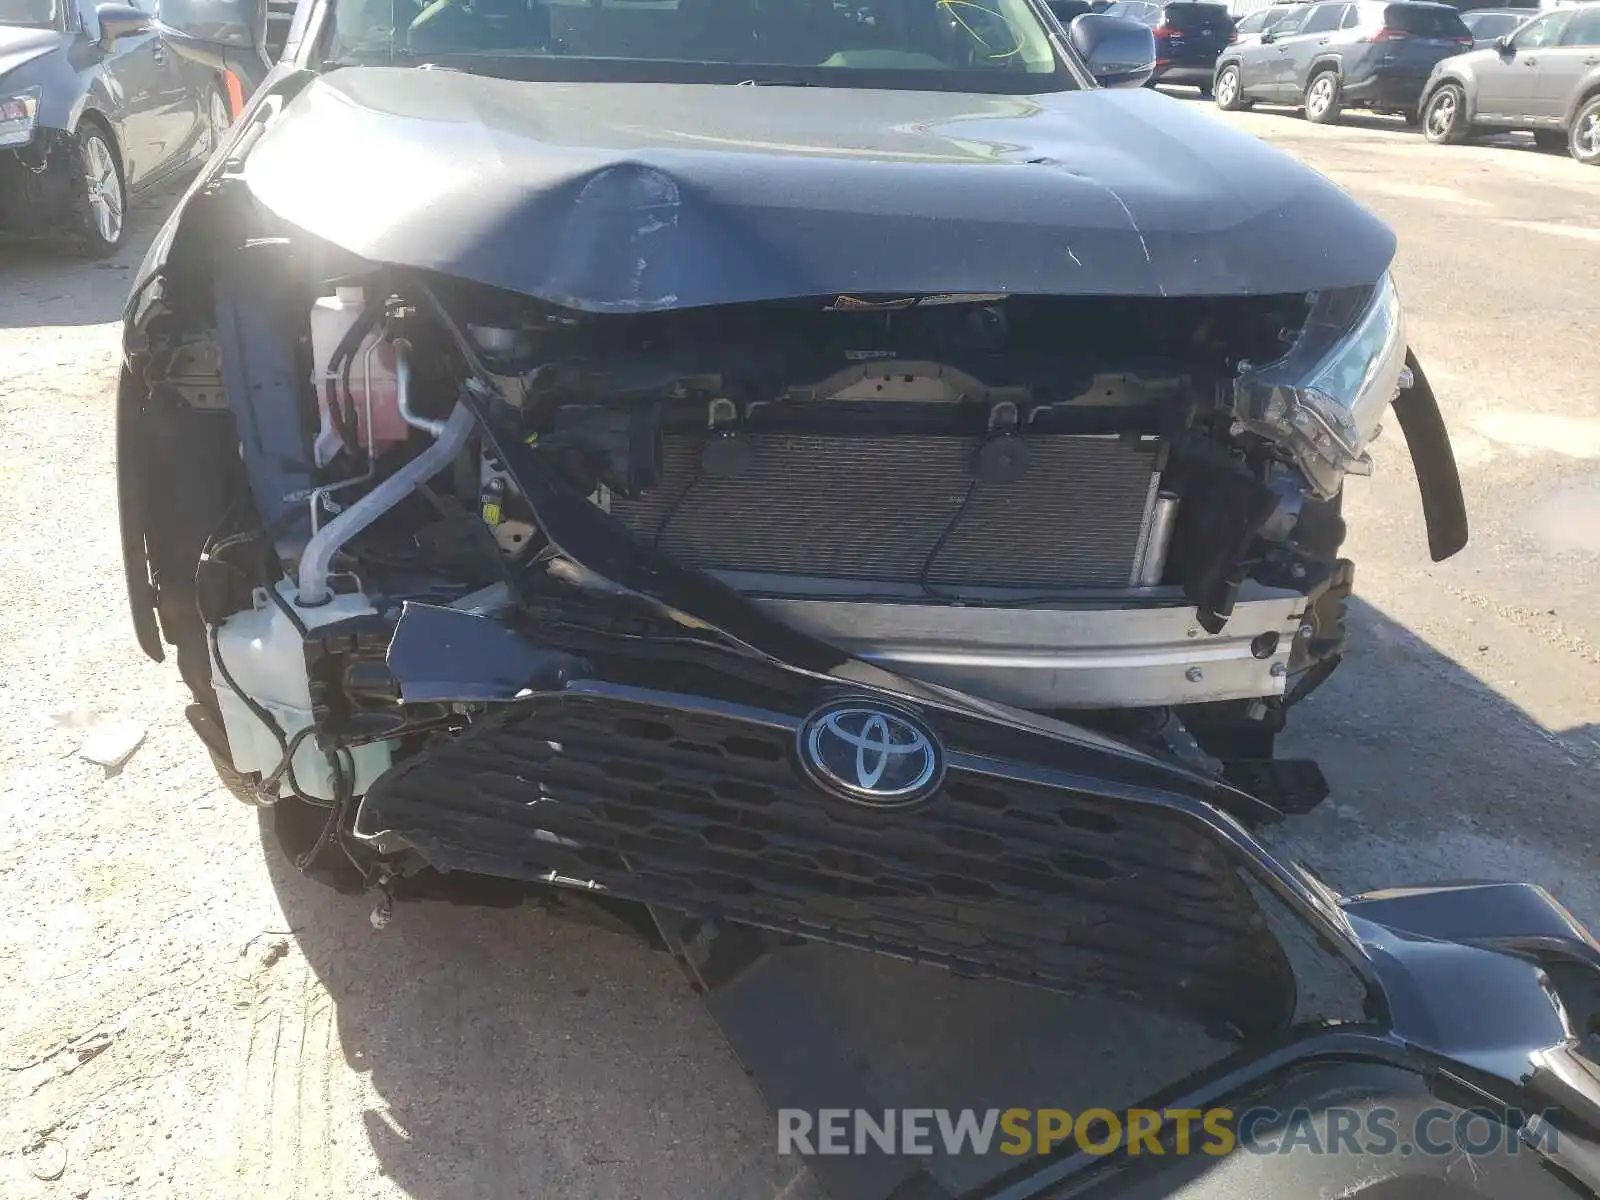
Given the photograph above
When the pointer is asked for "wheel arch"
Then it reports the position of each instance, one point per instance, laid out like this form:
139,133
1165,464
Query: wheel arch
1324,62
1586,91
106,126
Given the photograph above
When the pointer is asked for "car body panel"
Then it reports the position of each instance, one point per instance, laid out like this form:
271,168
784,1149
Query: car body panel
521,186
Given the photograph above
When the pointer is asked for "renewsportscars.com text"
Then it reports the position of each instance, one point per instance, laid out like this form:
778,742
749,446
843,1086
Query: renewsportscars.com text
1171,1131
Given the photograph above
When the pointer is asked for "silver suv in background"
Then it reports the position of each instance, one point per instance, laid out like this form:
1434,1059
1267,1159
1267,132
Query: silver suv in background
1544,77
1489,25
1335,55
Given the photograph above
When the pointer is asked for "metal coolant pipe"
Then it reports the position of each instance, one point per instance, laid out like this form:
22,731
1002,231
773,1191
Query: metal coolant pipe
325,543
1162,519
402,387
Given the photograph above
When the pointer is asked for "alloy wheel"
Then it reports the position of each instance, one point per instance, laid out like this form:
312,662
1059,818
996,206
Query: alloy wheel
1320,97
218,119
1586,135
1442,114
104,187
1227,88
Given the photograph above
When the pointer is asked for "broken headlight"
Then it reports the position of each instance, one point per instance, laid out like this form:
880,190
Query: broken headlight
18,115
1322,401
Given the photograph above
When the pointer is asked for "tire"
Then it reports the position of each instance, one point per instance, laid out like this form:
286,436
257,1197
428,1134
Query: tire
1321,98
1228,92
1550,139
101,200
1444,116
1583,139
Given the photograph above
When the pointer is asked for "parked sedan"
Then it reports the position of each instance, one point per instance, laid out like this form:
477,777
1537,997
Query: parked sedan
1545,78
1335,55
1189,36
94,107
1489,25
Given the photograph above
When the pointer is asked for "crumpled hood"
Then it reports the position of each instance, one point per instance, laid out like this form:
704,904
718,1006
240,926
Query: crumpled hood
21,46
637,197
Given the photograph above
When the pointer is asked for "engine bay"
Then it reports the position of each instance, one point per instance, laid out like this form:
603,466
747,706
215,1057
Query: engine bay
1048,502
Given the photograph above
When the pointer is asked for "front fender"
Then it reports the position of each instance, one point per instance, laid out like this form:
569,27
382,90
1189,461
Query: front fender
1586,91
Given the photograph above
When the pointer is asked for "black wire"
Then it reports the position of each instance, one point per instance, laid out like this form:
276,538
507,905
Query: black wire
677,503
342,408
343,787
944,536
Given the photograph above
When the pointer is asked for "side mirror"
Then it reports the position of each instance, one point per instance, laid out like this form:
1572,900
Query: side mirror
1119,52
1268,38
1504,44
120,21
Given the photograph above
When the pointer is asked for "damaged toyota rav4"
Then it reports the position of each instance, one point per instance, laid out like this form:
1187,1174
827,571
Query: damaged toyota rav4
837,470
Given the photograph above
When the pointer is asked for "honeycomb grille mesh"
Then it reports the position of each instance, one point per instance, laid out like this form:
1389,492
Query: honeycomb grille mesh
876,508
710,815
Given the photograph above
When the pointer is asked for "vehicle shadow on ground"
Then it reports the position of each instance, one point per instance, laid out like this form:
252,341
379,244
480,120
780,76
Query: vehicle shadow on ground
45,282
519,1055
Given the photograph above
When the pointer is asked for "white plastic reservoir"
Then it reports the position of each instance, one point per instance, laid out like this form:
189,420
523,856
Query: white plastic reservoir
331,318
265,655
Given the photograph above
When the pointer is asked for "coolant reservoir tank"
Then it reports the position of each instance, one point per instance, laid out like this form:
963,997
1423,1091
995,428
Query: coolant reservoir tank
371,369
265,654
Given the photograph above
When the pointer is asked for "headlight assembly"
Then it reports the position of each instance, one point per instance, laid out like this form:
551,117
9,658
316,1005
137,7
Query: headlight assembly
18,115
1322,401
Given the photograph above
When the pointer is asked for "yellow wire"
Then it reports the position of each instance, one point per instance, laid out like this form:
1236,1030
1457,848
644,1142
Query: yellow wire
952,5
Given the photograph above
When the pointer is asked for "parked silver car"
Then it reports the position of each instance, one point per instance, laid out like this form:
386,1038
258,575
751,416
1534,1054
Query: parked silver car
1489,25
1544,77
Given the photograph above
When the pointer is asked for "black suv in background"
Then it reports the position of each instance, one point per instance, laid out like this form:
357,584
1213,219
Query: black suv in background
1545,77
1189,37
1336,55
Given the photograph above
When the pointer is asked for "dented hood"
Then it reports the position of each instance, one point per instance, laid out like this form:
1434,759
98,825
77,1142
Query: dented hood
637,197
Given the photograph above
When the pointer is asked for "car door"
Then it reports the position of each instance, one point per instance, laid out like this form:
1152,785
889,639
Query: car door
1564,66
1261,61
1299,51
181,98
1508,81
132,78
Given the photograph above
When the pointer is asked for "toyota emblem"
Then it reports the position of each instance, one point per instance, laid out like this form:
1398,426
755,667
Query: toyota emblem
871,755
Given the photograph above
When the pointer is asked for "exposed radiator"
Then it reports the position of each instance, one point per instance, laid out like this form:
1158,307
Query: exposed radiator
876,509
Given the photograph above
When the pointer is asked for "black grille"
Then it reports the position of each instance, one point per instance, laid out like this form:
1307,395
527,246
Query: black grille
875,509
710,815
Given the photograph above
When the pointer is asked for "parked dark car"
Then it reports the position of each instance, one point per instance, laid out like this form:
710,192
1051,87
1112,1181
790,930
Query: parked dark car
1336,55
1251,26
94,108
1544,77
1489,25
1189,36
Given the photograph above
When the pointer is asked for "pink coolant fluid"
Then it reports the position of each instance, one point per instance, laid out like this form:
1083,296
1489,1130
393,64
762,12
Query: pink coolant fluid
331,318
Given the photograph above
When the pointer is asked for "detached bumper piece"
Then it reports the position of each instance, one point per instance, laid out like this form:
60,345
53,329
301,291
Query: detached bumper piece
699,805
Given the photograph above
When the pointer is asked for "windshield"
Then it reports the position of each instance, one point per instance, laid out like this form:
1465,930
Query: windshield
968,45
39,14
